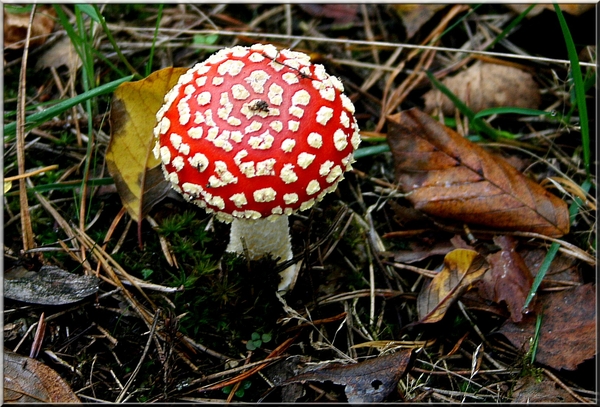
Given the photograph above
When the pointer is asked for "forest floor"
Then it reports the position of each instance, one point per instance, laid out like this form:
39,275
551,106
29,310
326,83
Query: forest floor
397,298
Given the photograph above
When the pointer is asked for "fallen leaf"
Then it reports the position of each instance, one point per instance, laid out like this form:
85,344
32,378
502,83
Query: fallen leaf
370,381
574,9
447,176
49,286
16,23
509,279
568,331
280,371
341,14
530,390
562,268
414,16
418,251
137,174
462,268
484,85
61,53
28,381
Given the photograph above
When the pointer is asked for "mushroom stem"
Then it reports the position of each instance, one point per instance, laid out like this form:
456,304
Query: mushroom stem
256,238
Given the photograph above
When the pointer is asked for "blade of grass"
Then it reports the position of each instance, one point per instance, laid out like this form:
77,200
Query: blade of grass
579,89
371,150
536,337
573,209
510,26
36,119
88,81
513,110
26,226
102,22
477,123
151,56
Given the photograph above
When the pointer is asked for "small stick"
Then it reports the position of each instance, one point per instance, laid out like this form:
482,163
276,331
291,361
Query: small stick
31,173
38,338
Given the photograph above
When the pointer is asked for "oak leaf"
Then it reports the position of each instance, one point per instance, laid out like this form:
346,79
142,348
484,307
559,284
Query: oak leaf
462,269
447,176
137,173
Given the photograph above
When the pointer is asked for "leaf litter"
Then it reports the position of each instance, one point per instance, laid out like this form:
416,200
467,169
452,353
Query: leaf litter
338,278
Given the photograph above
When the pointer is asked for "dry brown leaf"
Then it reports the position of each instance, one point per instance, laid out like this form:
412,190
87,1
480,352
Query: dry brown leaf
462,269
61,53
530,390
370,381
509,279
573,9
340,13
447,176
28,381
413,16
483,86
15,27
568,331
137,174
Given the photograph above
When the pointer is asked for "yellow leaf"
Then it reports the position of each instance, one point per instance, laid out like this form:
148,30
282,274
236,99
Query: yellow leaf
7,186
129,157
462,268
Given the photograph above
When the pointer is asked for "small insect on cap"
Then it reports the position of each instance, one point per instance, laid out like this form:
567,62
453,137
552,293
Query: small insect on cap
254,132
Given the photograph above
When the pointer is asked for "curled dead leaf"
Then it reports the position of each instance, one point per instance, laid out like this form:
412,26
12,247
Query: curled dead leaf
462,269
447,176
16,23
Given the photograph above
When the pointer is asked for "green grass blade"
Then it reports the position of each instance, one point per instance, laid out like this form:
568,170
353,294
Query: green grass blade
112,41
151,56
541,274
477,123
579,89
36,119
91,10
573,209
512,110
75,39
509,27
371,150
536,337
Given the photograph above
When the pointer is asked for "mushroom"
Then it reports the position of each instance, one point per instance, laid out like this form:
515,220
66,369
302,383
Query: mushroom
253,135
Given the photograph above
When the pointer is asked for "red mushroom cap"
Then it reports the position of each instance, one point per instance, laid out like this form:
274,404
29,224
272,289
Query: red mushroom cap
255,132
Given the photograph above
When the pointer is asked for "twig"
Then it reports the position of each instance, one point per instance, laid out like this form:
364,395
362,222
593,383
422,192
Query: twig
31,173
564,386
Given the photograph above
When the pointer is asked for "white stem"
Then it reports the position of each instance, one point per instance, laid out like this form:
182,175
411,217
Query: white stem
256,238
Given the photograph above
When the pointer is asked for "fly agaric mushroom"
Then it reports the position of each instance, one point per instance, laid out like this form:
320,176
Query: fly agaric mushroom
254,134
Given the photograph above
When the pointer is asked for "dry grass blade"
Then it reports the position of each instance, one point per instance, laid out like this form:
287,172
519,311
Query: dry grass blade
28,239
